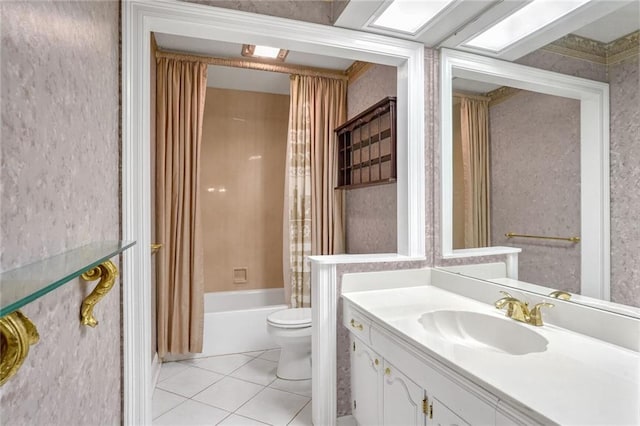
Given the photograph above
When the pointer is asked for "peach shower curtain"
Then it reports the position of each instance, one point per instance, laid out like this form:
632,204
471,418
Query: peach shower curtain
474,123
180,93
314,212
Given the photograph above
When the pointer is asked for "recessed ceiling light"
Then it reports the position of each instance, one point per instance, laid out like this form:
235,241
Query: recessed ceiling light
409,15
524,22
256,51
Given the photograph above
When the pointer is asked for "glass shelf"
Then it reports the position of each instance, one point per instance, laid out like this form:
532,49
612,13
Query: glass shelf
27,283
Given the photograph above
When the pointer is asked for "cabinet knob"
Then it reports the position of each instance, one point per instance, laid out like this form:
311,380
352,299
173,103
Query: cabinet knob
387,371
376,362
356,325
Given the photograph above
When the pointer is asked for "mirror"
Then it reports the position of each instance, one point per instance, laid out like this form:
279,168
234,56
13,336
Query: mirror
538,124
244,146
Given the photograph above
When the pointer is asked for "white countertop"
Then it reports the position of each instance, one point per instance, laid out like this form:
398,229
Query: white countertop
578,380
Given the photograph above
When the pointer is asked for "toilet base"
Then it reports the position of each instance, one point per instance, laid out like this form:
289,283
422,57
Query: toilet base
295,363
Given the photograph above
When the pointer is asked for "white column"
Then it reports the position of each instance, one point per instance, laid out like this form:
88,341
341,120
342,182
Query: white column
324,303
512,266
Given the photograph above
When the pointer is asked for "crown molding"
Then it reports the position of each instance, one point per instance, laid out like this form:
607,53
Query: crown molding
623,48
501,94
357,70
594,51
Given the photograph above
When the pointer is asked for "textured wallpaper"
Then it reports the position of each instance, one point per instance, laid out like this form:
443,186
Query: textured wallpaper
565,65
535,184
59,190
370,212
316,11
624,86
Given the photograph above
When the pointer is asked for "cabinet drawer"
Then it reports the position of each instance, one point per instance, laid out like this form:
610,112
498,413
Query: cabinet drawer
356,323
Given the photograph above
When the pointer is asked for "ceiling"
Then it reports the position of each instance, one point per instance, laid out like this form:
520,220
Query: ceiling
603,21
614,25
245,79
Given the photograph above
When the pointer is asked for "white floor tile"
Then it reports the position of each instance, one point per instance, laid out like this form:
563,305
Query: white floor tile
190,381
164,401
168,369
236,420
303,418
191,413
301,387
273,407
272,355
229,393
258,371
223,364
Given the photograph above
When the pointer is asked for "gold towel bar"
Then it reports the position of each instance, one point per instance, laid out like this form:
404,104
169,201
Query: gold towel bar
570,239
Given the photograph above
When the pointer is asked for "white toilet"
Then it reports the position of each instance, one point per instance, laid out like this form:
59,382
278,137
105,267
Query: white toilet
291,329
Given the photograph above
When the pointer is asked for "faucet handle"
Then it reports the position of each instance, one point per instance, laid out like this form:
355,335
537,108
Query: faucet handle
535,315
559,294
505,293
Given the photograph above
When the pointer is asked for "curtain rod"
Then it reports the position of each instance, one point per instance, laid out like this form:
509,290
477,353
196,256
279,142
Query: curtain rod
464,95
255,65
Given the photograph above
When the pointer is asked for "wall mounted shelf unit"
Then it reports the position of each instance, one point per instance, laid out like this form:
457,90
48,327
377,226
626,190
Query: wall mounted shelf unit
23,285
367,147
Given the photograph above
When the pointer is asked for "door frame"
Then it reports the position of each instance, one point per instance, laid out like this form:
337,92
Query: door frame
141,18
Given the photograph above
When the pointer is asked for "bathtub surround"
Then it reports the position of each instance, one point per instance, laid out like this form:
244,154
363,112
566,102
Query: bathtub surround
244,142
59,190
180,97
235,321
314,216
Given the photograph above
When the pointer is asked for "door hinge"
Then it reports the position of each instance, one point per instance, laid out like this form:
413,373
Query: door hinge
354,346
427,408
354,404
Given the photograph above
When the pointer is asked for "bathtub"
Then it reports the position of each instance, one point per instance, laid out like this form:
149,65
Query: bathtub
236,321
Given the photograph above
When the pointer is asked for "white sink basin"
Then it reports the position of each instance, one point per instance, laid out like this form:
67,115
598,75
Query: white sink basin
487,332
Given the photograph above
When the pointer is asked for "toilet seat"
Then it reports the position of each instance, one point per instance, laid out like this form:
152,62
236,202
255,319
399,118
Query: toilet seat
291,318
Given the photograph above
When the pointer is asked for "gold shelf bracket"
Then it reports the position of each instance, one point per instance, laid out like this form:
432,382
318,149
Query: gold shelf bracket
17,334
107,272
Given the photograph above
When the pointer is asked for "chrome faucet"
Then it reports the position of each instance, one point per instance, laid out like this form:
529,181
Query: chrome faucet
519,310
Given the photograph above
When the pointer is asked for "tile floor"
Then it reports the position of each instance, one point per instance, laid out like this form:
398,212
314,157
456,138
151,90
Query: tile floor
237,389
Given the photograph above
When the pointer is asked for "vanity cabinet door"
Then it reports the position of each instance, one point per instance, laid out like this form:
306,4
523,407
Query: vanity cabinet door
440,415
366,383
403,399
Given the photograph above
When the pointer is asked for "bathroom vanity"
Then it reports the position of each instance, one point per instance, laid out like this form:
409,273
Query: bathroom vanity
438,352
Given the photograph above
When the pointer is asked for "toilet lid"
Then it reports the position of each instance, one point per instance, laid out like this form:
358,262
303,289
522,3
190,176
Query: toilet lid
297,317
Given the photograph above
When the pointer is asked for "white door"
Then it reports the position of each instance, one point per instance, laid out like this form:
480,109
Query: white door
402,399
366,376
440,415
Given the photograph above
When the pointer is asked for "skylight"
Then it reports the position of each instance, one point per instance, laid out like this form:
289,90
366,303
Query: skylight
409,15
527,20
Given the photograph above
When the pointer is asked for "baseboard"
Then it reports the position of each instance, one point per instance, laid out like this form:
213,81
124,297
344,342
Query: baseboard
346,421
155,370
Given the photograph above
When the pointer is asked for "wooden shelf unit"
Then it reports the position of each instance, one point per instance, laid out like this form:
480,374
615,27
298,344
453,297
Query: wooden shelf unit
367,147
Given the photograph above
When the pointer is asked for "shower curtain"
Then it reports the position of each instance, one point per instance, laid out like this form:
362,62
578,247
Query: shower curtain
180,94
474,123
314,212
